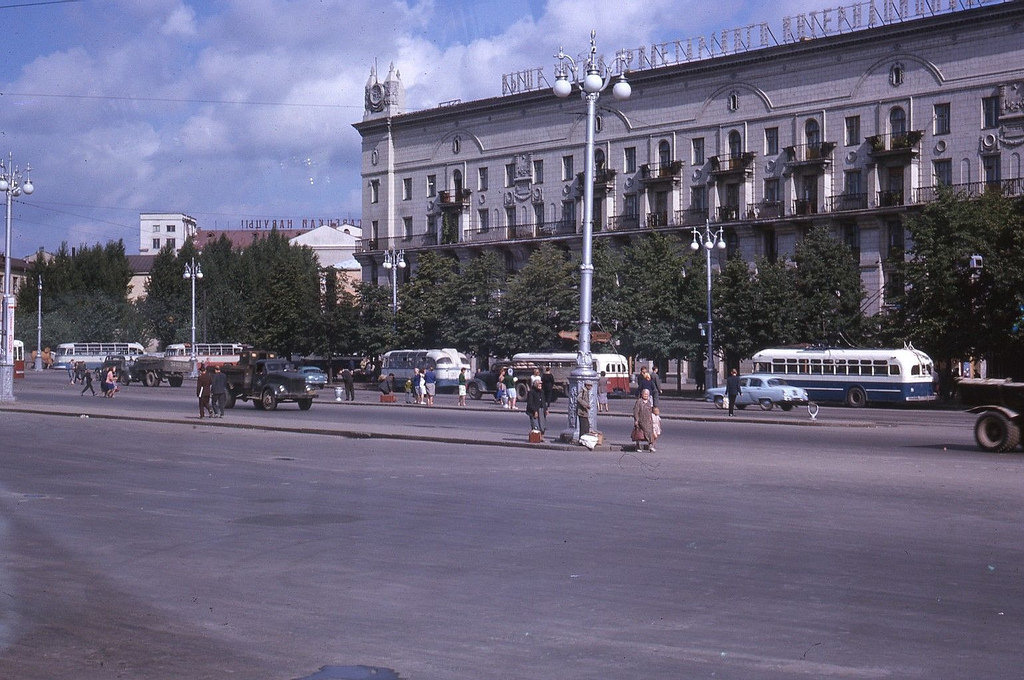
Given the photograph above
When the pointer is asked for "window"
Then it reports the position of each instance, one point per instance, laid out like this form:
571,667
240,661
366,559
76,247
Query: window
771,190
407,228
375,191
156,244
510,174
851,235
943,171
991,167
598,159
771,141
170,229
699,199
538,172
567,170
664,153
568,214
629,206
812,133
407,189
896,240
481,179
735,144
156,228
538,214
942,125
485,222
897,121
698,151
896,75
510,218
852,130
169,242
431,186
734,101
851,183
990,112
629,159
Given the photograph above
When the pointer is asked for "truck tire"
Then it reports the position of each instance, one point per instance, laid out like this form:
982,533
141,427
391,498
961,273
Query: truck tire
856,397
230,401
267,400
305,404
151,379
996,433
473,391
175,380
522,391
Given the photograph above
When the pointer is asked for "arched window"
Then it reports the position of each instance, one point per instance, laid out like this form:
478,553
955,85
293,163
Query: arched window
735,144
599,159
897,121
812,133
457,181
734,101
664,153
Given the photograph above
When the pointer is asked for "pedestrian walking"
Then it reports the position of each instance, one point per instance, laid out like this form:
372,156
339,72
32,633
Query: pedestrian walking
583,408
109,384
732,389
547,381
218,392
500,393
535,408
643,421
646,381
602,393
87,379
348,380
462,387
203,390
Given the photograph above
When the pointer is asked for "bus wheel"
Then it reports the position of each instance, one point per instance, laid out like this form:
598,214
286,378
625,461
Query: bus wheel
856,397
995,432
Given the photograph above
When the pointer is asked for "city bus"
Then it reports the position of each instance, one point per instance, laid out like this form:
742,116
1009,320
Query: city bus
615,367
19,359
446,364
852,376
93,354
207,353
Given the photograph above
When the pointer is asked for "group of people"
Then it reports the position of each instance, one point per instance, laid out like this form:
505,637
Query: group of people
80,374
422,387
212,390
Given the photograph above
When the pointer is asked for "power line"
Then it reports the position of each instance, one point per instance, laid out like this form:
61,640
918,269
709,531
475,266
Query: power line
36,4
170,100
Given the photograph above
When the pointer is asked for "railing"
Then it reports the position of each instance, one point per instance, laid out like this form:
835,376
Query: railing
624,223
691,216
768,210
601,176
841,202
1006,187
903,141
803,206
809,153
657,219
890,199
731,163
649,171
728,213
449,198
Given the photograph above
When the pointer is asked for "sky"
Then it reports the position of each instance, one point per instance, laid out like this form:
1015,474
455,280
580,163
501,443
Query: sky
231,110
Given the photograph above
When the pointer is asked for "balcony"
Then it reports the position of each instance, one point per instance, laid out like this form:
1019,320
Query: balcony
890,199
902,146
691,216
728,213
624,223
766,210
454,199
1006,187
657,219
604,179
739,164
661,174
810,154
843,202
804,207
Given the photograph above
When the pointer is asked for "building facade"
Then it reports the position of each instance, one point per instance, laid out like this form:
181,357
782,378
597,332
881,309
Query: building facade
852,128
158,230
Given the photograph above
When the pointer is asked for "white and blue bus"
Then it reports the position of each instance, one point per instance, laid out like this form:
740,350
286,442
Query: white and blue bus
446,364
93,354
852,376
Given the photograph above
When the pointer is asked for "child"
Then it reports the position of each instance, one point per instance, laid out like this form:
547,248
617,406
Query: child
408,390
656,421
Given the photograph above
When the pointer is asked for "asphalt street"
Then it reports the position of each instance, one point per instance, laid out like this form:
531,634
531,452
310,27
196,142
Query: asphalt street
140,542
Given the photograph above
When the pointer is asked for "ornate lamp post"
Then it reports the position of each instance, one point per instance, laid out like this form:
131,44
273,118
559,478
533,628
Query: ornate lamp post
709,240
12,185
193,271
393,261
39,328
592,78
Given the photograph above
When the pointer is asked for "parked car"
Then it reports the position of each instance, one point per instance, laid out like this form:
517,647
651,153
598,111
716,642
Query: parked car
314,376
764,390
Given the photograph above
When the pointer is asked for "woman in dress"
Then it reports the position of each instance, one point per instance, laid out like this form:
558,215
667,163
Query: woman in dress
643,419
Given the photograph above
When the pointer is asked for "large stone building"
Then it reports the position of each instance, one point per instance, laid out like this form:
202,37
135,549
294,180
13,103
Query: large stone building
848,118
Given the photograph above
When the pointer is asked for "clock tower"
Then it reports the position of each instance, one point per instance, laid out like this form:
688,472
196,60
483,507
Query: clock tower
383,99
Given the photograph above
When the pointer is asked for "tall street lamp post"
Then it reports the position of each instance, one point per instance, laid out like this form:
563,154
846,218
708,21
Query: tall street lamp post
592,78
709,240
193,271
393,261
12,185
39,328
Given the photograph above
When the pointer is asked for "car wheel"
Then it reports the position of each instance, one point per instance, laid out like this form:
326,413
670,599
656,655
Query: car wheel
766,404
473,391
741,406
995,432
305,404
268,401
719,401
856,397
786,407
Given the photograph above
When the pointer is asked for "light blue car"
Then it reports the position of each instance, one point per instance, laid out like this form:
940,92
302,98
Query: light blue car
314,376
764,390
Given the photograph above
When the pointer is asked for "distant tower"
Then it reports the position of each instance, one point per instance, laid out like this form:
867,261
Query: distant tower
384,99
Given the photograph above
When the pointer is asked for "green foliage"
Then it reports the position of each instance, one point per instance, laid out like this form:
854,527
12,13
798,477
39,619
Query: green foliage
828,289
428,302
473,324
540,300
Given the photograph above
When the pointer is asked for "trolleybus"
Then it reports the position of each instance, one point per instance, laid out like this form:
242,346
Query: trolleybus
93,354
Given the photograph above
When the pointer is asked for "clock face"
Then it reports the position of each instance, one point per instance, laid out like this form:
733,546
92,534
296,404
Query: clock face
376,97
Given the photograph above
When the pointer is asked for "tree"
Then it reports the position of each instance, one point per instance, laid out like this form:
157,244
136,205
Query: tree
541,300
428,302
473,325
828,287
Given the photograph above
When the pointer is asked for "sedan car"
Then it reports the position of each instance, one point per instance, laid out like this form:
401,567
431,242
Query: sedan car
314,376
764,390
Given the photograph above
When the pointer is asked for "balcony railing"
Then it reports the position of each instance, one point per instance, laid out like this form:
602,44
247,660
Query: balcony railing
841,202
1006,187
691,216
728,213
451,198
804,206
624,223
657,219
810,153
890,199
728,163
886,145
655,171
767,210
603,177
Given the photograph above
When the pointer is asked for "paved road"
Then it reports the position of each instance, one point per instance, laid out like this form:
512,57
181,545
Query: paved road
160,550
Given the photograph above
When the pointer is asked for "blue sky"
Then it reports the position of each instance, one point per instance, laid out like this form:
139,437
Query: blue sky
243,109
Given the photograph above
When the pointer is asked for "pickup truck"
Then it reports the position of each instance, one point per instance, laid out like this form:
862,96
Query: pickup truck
267,380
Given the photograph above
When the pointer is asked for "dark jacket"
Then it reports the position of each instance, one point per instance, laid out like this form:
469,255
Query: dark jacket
732,385
535,401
